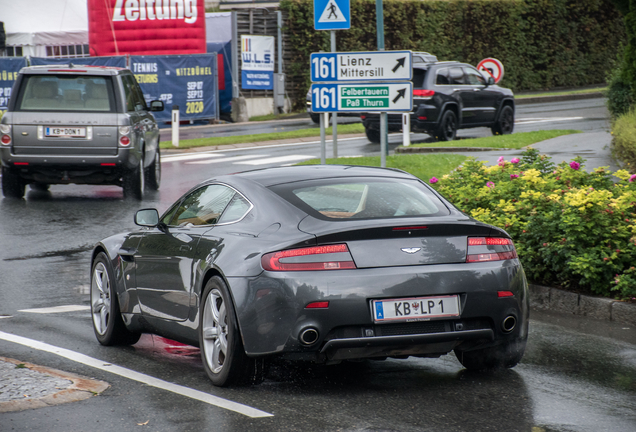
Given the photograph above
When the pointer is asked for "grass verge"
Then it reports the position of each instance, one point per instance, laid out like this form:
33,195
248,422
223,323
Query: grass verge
423,166
515,141
274,136
563,93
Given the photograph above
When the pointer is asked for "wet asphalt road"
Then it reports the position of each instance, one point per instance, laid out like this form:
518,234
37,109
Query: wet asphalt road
577,375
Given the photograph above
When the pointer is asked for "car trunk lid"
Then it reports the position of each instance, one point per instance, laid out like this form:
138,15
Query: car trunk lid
400,243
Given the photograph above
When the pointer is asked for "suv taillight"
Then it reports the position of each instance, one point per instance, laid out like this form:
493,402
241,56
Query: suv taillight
329,257
423,94
503,249
6,139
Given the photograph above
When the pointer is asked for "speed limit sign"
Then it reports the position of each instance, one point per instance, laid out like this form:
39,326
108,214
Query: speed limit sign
491,67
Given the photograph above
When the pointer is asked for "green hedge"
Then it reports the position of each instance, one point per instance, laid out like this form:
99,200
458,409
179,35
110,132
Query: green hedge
624,139
571,228
542,43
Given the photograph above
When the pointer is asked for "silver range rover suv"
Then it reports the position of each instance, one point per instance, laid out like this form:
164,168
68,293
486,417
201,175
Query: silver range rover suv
79,124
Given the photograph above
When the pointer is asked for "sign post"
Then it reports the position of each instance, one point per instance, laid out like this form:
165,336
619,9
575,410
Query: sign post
331,15
349,81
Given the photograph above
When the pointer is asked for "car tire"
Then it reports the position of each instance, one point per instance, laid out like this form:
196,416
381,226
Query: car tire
107,321
12,184
222,352
153,172
506,355
505,124
373,135
447,129
315,117
135,182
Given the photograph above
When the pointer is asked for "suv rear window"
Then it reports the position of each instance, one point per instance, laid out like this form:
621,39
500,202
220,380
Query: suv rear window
66,93
418,78
362,198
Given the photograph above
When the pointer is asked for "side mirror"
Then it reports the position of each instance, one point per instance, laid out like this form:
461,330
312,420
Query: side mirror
491,81
156,105
147,218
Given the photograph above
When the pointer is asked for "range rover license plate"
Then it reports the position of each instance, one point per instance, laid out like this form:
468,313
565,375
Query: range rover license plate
415,308
73,132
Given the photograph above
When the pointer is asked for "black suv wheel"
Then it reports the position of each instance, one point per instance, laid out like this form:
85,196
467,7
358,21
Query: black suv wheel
373,135
447,127
12,184
505,124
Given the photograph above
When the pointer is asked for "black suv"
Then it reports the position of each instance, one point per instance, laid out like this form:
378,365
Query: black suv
448,96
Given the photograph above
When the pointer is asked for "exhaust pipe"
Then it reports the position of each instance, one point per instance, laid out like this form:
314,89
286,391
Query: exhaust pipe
308,336
509,323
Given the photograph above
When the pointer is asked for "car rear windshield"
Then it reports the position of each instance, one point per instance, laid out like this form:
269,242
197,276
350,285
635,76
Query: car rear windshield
362,198
66,93
418,77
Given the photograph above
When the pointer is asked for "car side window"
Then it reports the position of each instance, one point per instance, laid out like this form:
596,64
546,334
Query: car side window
236,209
204,206
474,77
442,77
456,76
134,98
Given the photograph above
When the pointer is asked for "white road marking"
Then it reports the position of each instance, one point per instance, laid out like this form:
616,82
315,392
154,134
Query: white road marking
547,120
137,376
276,160
5,316
57,309
226,159
188,156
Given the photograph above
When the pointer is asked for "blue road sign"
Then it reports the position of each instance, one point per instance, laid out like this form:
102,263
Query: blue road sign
361,66
332,15
362,97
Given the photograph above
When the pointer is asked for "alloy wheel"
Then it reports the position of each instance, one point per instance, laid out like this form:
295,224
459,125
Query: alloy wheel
100,298
215,331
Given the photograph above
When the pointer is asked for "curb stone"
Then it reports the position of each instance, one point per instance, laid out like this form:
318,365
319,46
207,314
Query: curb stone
71,387
557,300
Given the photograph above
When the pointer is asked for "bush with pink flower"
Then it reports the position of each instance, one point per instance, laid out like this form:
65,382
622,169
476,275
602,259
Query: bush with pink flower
572,228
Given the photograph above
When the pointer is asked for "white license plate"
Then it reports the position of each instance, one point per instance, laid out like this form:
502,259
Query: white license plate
79,132
415,309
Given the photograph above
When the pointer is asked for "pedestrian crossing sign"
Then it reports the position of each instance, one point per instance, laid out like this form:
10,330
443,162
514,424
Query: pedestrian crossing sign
332,15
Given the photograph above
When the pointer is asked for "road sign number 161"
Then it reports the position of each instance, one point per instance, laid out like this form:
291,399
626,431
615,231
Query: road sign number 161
324,97
324,67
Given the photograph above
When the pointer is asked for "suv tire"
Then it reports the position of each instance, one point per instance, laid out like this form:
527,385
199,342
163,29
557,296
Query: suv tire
447,127
12,184
505,124
134,182
153,172
373,135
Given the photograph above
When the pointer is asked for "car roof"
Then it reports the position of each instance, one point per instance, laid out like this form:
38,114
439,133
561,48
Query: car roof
279,175
72,68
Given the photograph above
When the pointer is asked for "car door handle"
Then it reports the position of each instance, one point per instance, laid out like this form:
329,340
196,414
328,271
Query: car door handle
476,89
185,248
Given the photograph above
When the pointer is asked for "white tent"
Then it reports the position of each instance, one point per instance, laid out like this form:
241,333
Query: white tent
35,25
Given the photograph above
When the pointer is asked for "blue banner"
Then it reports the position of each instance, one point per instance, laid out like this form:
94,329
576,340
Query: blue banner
119,61
187,81
9,68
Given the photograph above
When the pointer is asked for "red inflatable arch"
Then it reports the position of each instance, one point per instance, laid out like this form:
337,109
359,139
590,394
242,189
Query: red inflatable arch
148,27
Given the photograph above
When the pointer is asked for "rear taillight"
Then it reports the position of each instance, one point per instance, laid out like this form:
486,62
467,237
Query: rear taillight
426,94
125,141
363,117
6,139
500,249
329,257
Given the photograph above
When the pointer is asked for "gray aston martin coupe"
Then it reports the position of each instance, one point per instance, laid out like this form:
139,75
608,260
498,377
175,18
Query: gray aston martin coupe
317,263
